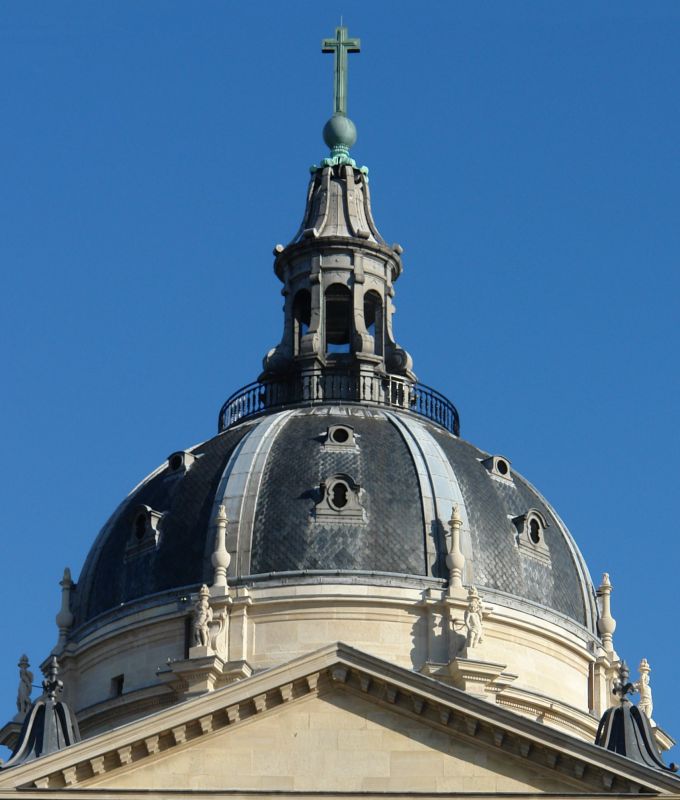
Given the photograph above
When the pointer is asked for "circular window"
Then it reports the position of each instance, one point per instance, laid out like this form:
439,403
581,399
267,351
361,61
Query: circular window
535,531
338,494
502,466
175,462
339,435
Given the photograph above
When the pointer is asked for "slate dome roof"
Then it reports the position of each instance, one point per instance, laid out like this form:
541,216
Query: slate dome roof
275,475
371,505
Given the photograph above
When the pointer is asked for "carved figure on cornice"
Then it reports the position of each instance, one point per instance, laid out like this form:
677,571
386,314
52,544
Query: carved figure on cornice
473,618
645,704
25,686
203,616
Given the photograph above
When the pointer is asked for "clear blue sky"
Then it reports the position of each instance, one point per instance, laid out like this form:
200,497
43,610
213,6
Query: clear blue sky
525,154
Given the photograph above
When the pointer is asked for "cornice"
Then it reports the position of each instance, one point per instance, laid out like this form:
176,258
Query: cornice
588,768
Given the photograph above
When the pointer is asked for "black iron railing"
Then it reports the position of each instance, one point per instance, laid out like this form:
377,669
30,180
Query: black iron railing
387,390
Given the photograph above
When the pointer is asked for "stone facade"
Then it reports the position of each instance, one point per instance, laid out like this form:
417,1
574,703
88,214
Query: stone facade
272,625
336,721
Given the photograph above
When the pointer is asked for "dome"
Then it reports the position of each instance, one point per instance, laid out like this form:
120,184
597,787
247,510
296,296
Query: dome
337,511
344,506
399,476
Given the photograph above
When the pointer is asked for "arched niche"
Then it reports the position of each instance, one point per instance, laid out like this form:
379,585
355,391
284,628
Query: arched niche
373,318
338,318
302,313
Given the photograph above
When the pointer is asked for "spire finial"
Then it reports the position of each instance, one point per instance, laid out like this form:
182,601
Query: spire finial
339,132
622,685
64,618
606,624
51,684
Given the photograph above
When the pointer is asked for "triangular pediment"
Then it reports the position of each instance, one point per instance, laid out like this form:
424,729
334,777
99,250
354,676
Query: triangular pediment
340,721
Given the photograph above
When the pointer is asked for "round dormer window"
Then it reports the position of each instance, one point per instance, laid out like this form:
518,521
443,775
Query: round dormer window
339,435
338,495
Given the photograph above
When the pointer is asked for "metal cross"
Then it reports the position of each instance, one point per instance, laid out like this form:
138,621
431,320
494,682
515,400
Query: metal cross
340,46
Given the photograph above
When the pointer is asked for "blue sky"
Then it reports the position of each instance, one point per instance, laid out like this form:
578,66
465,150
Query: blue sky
525,155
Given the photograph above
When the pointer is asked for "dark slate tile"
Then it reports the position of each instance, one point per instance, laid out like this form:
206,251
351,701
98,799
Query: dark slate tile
286,535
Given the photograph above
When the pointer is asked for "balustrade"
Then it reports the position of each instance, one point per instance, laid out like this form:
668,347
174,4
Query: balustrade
383,390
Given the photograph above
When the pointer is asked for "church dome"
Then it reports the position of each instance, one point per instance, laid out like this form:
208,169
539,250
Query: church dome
337,503
343,490
336,532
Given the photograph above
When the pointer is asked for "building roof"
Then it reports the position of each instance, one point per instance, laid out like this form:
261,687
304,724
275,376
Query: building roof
272,474
573,767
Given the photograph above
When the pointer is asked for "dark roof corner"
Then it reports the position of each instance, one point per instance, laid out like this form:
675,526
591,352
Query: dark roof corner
625,730
49,725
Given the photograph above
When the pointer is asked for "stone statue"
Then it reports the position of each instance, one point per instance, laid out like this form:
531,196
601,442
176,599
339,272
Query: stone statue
203,615
645,704
25,686
473,618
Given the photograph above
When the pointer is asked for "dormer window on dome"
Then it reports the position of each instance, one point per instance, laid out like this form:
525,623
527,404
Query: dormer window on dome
499,467
340,501
144,532
340,438
180,461
531,535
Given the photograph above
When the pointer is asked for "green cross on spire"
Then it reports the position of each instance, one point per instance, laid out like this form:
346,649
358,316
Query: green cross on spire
340,46
339,132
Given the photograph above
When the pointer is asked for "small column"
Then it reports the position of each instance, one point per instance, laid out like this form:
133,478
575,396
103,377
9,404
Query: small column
455,560
606,624
220,558
64,618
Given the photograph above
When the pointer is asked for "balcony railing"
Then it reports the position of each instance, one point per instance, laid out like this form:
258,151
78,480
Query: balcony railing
306,390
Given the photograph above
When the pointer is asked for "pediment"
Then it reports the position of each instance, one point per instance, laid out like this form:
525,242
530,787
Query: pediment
336,720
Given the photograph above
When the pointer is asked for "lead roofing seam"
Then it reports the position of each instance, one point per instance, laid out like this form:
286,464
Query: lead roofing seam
233,491
418,440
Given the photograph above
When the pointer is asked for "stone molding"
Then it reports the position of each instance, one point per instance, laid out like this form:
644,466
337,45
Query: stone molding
304,601
590,769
